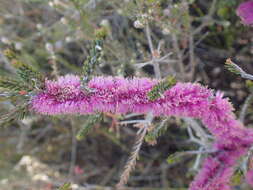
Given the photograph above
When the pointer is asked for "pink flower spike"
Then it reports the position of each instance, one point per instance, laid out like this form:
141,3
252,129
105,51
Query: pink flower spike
245,12
120,95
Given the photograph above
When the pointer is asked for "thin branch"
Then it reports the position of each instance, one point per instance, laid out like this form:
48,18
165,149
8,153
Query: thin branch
162,59
133,121
207,20
54,66
245,107
212,9
24,129
129,167
231,66
151,47
179,54
161,42
200,151
132,115
73,151
201,38
148,35
134,156
197,161
192,56
200,132
194,139
246,160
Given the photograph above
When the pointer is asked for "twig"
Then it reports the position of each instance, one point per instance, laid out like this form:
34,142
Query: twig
91,4
200,151
134,156
23,136
133,121
192,138
73,151
135,152
161,42
53,62
151,47
197,161
203,140
200,132
6,64
245,107
207,20
192,56
246,159
201,38
132,115
162,59
231,66
179,55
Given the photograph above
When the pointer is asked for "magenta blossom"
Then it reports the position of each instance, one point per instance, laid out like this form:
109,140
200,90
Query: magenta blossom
245,12
119,95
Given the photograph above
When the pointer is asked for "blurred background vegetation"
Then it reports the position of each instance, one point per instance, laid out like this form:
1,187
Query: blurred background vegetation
188,39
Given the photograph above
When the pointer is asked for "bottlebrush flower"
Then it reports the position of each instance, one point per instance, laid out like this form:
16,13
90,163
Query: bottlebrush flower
245,12
119,95
217,169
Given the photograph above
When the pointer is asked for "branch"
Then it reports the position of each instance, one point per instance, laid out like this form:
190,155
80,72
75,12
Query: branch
232,67
151,47
245,107
135,152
